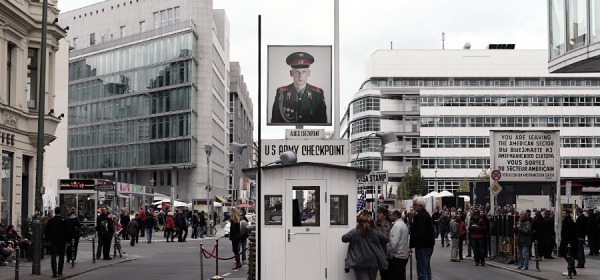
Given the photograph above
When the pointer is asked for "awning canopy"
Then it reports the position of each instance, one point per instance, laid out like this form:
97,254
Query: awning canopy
220,199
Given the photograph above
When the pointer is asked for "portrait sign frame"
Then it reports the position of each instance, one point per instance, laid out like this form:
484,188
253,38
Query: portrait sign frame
279,77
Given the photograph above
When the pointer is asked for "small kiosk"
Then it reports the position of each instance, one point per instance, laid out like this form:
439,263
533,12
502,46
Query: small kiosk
305,208
81,195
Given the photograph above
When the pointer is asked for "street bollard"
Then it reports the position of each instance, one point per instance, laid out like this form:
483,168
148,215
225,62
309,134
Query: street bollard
570,262
217,276
537,255
94,250
201,261
410,258
72,253
17,251
115,247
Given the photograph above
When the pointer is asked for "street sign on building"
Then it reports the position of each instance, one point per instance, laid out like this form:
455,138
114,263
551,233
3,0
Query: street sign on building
291,134
525,156
323,151
374,178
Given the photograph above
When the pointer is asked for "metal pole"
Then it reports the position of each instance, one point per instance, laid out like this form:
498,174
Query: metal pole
39,174
72,252
336,72
17,251
217,258
201,261
411,266
94,250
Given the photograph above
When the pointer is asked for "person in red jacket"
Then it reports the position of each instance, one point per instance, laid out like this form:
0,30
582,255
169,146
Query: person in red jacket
142,226
477,236
169,226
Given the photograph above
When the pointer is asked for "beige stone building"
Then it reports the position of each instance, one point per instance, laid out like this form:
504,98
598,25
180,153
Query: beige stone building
20,47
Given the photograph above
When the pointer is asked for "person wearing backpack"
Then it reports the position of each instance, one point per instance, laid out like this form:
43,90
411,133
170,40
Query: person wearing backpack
106,230
57,234
75,232
183,227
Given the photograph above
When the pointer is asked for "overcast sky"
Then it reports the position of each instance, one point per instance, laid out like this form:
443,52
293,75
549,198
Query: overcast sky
366,26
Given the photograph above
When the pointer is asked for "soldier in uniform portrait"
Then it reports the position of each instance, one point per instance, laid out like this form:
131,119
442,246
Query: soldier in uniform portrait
299,102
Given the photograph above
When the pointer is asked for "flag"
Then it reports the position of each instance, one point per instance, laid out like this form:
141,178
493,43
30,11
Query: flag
361,203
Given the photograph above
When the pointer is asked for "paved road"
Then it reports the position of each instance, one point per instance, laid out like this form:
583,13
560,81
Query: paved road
444,269
161,260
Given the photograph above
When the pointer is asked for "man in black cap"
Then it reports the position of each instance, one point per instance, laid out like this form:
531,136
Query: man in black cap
299,102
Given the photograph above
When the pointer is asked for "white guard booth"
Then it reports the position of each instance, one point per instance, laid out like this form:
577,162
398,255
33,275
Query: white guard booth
305,208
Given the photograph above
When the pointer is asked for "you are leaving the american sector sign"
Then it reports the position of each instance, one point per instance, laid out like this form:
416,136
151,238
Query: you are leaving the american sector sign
525,155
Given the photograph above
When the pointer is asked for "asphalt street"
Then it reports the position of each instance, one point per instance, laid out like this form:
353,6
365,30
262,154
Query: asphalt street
162,260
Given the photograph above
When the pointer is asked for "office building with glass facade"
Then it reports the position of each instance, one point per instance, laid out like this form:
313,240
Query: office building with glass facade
574,36
148,88
20,53
442,104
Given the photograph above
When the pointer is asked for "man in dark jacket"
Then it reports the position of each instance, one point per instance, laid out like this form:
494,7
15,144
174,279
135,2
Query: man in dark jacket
436,217
582,225
592,232
422,238
568,236
106,230
57,234
124,223
548,235
444,228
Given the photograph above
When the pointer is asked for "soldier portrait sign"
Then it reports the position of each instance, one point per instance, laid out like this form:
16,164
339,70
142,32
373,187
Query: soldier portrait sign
299,90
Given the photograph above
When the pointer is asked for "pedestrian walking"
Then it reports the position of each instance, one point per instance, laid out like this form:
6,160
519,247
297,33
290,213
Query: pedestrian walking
132,230
57,234
202,224
106,230
235,236
75,233
383,225
523,230
195,222
477,225
444,226
397,248
454,236
568,236
422,238
244,234
468,236
582,227
537,226
150,225
124,223
549,235
592,232
182,226
169,226
142,221
366,249
436,218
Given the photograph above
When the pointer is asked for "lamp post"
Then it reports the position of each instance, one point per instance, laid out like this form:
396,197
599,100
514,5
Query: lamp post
208,150
435,186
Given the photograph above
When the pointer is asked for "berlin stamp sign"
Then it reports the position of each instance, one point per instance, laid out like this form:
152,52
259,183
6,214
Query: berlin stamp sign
496,175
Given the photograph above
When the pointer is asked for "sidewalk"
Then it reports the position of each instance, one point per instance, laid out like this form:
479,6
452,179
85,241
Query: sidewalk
84,264
553,269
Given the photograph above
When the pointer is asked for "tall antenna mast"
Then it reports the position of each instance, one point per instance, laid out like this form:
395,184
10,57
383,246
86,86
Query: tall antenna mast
443,39
391,45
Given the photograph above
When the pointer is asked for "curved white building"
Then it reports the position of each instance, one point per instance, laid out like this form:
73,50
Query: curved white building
442,104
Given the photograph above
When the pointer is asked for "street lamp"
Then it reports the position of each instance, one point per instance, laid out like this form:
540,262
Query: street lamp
208,150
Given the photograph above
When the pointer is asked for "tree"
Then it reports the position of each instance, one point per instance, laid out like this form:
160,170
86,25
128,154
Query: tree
412,184
484,175
464,185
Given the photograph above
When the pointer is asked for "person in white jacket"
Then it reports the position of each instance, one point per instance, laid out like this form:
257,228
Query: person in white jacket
397,248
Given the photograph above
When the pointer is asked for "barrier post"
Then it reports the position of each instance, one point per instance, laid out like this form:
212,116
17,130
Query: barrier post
72,252
537,255
201,261
411,266
94,249
217,276
570,262
18,252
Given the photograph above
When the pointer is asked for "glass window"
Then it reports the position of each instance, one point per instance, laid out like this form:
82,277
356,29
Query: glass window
577,24
92,39
305,206
338,210
557,36
273,210
6,188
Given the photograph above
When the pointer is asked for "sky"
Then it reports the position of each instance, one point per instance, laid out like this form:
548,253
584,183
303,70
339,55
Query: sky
366,26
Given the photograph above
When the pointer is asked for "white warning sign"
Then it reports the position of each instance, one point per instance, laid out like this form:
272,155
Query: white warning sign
526,155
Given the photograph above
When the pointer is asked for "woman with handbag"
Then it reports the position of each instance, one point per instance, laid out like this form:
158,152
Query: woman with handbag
169,226
235,237
366,250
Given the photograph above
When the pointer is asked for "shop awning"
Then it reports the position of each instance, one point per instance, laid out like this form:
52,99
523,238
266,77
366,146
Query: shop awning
220,199
123,196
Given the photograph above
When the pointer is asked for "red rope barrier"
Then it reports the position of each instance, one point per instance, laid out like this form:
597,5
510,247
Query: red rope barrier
210,255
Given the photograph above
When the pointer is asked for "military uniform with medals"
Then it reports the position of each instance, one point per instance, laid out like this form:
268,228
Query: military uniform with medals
304,106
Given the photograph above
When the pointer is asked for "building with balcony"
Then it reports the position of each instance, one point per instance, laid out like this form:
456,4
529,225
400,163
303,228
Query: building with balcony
442,104
148,88
20,53
574,36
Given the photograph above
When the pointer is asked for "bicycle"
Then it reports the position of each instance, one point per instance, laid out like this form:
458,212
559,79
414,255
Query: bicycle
211,230
89,232
117,245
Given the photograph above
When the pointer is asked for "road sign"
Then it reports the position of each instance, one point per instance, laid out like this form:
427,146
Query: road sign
381,198
568,188
105,187
496,175
495,188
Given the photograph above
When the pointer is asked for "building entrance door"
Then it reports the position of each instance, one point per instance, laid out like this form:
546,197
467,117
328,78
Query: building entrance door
305,220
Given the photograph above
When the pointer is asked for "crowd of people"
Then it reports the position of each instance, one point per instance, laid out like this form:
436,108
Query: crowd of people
383,245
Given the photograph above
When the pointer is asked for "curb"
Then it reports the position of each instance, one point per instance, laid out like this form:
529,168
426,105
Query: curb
99,267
